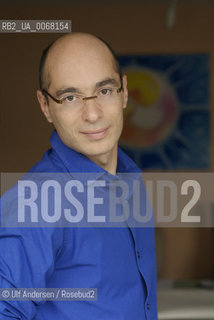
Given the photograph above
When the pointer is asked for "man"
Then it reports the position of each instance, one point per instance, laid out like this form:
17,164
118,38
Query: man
83,93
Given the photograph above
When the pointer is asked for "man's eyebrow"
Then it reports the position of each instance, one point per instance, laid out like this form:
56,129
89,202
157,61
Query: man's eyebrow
105,82
66,90
99,84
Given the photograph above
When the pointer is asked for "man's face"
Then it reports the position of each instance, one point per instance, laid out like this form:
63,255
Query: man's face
92,129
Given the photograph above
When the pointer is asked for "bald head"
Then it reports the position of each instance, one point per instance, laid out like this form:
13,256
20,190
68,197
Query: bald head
76,46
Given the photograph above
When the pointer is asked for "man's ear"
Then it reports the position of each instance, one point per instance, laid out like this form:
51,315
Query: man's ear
44,105
125,91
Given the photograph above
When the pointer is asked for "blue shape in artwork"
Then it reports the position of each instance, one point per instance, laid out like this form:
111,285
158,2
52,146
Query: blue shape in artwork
188,144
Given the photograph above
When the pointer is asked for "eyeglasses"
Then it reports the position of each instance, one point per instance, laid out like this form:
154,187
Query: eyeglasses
103,96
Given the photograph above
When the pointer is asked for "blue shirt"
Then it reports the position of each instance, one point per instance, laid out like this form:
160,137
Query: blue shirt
119,262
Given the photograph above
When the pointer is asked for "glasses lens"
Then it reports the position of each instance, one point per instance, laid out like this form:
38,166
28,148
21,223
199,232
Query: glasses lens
72,101
104,96
107,96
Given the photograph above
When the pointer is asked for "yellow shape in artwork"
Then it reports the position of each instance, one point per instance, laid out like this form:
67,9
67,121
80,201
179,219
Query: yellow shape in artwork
143,87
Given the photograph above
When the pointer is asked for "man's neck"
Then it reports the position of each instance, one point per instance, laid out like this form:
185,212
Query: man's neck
107,161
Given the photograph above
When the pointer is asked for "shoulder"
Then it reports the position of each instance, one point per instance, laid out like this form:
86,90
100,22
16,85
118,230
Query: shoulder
50,162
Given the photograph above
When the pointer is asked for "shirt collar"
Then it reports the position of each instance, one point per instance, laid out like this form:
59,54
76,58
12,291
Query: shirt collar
75,162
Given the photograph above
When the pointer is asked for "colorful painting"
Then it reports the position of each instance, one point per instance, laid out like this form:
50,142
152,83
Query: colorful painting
167,119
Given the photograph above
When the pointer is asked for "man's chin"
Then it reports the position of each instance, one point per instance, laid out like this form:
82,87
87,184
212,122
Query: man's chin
100,153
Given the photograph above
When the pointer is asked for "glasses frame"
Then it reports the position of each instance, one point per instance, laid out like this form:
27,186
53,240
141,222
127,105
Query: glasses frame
60,101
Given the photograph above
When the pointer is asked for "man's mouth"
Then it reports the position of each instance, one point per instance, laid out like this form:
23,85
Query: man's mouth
95,134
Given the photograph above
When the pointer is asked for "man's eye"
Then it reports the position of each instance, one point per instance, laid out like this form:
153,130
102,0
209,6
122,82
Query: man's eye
105,91
69,98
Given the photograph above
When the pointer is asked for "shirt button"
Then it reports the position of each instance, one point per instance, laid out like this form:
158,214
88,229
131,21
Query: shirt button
148,306
138,254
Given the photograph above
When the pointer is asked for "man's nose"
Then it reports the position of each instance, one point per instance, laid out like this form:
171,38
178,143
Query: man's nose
91,111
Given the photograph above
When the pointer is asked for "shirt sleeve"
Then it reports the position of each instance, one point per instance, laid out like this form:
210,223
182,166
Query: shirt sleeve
27,259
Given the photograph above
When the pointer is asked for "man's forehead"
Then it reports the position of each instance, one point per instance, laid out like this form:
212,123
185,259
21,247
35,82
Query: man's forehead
80,61
77,46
